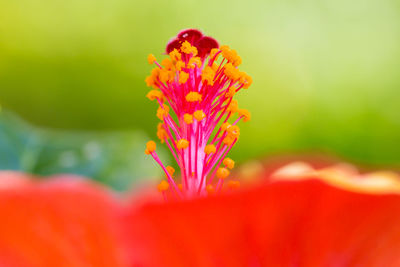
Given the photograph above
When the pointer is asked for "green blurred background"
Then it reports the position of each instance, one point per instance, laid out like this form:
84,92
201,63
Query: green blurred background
326,72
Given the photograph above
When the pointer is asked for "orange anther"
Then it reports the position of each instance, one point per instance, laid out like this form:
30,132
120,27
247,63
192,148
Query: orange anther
222,173
182,144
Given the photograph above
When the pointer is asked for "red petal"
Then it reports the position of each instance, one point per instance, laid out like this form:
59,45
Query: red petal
173,44
63,222
205,45
286,223
190,35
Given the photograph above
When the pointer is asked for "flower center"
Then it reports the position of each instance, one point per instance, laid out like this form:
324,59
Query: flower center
197,82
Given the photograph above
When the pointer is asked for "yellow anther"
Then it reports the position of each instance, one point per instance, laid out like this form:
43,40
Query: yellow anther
175,55
150,81
245,114
215,67
234,185
210,189
210,149
222,173
150,147
226,51
155,74
224,48
180,187
166,76
213,52
237,61
163,186
154,94
161,133
225,126
233,131
208,75
183,77
151,58
179,65
187,48
155,71
193,62
229,163
170,170
199,115
231,55
182,144
230,92
162,112
246,80
167,63
231,72
228,140
233,106
193,97
188,118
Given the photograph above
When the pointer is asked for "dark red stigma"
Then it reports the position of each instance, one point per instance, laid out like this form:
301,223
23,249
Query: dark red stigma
203,43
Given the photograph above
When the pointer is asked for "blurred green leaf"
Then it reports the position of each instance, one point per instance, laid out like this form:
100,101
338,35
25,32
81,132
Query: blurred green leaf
113,158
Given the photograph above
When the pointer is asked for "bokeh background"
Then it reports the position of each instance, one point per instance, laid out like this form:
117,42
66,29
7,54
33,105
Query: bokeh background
326,79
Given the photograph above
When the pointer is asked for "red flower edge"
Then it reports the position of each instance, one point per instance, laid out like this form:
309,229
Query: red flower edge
317,218
62,221
303,221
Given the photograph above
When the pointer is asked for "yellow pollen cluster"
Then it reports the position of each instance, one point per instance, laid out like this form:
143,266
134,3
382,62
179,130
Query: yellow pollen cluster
193,97
231,72
199,115
151,58
182,144
231,92
225,126
163,186
235,74
166,76
231,55
170,170
193,62
162,112
150,147
222,173
246,80
207,76
233,106
213,52
152,79
175,55
179,65
232,133
183,77
167,63
154,94
188,118
245,114
187,48
229,163
210,149
161,133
